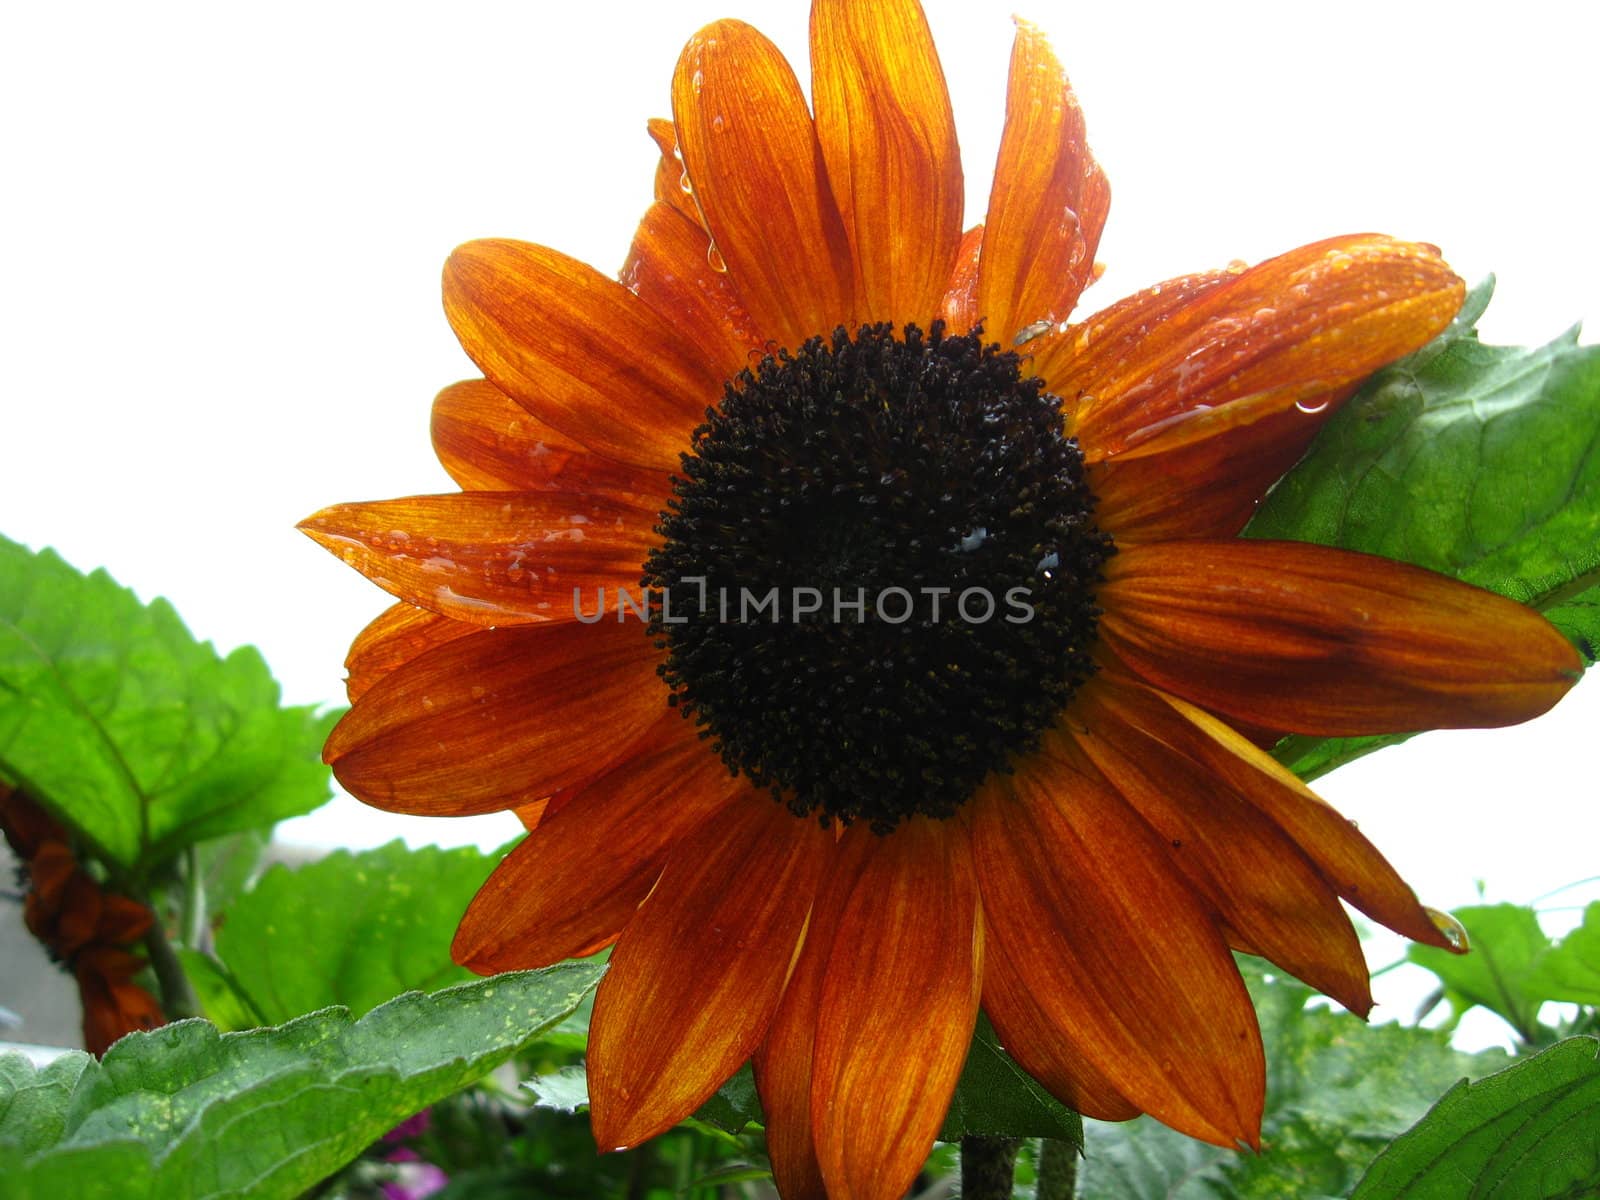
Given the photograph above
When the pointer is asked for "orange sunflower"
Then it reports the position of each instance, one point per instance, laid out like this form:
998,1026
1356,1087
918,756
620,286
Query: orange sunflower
812,410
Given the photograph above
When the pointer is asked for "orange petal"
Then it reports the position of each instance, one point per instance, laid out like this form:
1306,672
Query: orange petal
670,174
1300,325
499,718
579,351
494,558
897,1010
577,880
1044,1049
1312,639
397,635
1272,901
669,270
1349,862
748,141
1211,487
1081,898
696,976
490,443
888,137
1047,204
959,308
783,1061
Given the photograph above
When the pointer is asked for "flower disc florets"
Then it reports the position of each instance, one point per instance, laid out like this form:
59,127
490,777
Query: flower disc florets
877,577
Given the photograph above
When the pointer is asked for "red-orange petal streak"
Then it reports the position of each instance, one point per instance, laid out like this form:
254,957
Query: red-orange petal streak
578,879
499,718
959,308
668,269
670,174
888,136
579,351
1047,204
752,153
1081,898
897,1010
696,976
783,1061
490,443
1272,900
1311,639
494,558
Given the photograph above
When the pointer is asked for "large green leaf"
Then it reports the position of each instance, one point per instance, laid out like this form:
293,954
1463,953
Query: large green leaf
1481,462
145,740
1337,1091
1571,969
1531,1132
186,1113
1499,974
351,929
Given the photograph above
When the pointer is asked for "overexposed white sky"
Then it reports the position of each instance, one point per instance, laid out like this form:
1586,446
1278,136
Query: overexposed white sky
220,305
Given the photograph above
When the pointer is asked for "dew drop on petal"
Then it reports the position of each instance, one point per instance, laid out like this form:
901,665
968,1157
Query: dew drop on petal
698,81
1311,407
684,184
718,123
1454,931
714,260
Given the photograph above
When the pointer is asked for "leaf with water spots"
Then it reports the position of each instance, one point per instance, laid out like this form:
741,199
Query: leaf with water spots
186,1113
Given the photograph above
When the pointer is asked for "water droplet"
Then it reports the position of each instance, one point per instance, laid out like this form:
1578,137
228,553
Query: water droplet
1028,332
718,123
714,260
427,702
1454,931
1312,407
684,185
477,692
698,81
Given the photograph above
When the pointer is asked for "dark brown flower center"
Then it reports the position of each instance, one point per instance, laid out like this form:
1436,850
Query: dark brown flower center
878,572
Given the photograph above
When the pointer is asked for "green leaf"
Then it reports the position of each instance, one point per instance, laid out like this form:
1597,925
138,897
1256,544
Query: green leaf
565,1089
1337,1091
186,1113
734,1105
1481,462
351,929
1527,1133
140,737
996,1097
1498,973
222,1000
1571,969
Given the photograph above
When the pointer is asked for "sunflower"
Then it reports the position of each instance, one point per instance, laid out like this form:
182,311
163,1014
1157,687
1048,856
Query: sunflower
684,618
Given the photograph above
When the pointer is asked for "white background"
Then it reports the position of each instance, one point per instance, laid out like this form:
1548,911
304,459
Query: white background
225,225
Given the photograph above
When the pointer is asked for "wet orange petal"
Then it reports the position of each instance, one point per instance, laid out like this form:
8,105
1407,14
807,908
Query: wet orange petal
1349,862
783,1061
670,174
1047,204
888,137
397,635
579,878
696,976
959,308
490,443
494,558
1299,325
1211,487
1272,900
752,153
1312,639
669,270
1044,1049
498,719
1117,951
897,1010
579,351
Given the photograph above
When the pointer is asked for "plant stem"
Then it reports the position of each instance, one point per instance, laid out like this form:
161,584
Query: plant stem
177,993
1058,1169
987,1167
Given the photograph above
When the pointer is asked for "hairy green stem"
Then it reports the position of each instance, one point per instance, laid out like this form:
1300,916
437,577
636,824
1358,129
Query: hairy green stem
988,1165
1058,1170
